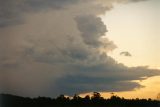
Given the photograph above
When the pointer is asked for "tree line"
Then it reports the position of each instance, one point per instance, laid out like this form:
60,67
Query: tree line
95,100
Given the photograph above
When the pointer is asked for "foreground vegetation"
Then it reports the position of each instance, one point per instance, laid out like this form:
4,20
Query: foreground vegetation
96,100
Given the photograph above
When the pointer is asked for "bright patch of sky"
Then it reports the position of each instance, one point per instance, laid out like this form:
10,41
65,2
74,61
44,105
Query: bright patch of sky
135,28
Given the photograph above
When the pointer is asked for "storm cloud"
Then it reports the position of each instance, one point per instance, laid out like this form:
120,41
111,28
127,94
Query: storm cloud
55,47
13,12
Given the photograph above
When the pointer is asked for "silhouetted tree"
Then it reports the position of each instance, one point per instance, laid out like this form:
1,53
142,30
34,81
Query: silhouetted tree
61,101
87,97
96,95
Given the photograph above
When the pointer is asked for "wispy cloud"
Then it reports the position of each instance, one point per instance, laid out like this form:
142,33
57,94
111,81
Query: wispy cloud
125,53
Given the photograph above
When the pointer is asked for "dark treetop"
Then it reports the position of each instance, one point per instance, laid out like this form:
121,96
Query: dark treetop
95,100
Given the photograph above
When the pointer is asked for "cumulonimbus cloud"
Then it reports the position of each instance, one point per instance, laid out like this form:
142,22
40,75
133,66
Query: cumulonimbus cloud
56,49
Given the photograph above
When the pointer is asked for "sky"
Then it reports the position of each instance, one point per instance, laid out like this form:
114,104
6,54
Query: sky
142,19
142,44
57,47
